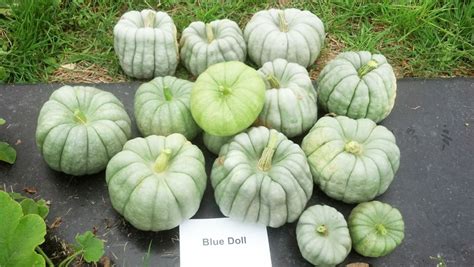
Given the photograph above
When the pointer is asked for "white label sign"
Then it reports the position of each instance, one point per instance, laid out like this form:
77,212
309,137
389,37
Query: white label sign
223,242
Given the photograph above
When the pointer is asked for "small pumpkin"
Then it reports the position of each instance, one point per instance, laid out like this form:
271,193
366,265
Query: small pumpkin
80,128
290,100
292,34
261,177
322,235
205,44
145,44
162,107
358,85
376,228
351,160
214,143
227,98
157,182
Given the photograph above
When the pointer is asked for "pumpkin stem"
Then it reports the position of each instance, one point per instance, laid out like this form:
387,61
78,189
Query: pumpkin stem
149,20
167,93
80,117
265,161
209,33
371,65
322,230
282,20
225,90
381,230
274,83
161,163
353,147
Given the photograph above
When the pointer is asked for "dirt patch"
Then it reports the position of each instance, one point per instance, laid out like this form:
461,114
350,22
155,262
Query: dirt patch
84,72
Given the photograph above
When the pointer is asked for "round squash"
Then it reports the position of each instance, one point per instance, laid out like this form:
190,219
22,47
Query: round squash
322,235
351,160
227,98
358,85
205,44
214,143
80,128
157,182
376,228
290,100
292,34
145,44
162,107
261,177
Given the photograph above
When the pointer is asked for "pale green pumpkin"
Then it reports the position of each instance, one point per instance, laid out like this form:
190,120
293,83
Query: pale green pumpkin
227,98
205,44
145,44
358,85
261,177
162,107
291,34
157,182
80,128
214,143
290,99
351,160
322,235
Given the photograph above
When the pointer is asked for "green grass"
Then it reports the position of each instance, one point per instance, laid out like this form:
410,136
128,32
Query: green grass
420,38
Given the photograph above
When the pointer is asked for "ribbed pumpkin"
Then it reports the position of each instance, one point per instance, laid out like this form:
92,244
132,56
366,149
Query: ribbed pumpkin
290,99
322,235
157,182
146,45
358,85
261,177
162,107
351,160
205,44
292,34
80,128
214,143
376,228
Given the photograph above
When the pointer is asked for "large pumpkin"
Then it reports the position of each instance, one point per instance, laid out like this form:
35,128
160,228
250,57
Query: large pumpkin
146,45
205,44
358,85
351,160
162,107
227,98
261,177
80,128
292,34
290,99
157,182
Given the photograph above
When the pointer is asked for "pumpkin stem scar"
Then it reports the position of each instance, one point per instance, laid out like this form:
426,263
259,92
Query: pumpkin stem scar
149,21
274,83
265,161
381,230
209,33
322,230
167,93
282,20
80,117
161,163
225,90
353,147
371,65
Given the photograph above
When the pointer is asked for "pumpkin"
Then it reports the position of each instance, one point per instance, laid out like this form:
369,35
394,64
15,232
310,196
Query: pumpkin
261,177
322,235
351,160
162,107
290,100
145,44
292,34
358,85
214,143
80,128
157,182
205,44
227,98
376,228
